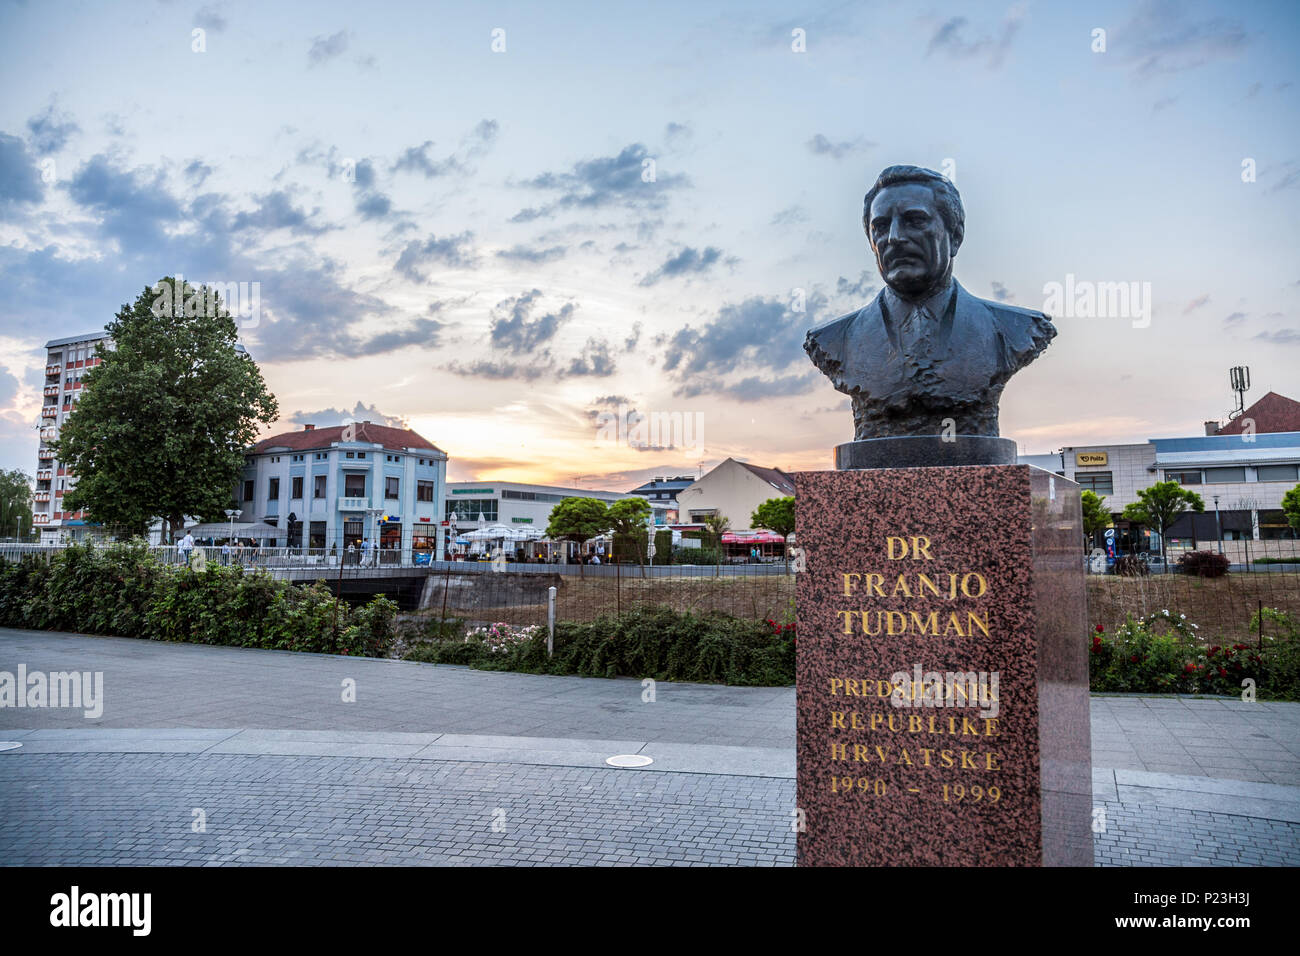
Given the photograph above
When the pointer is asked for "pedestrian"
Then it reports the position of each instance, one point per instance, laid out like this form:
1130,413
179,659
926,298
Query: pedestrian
225,552
186,548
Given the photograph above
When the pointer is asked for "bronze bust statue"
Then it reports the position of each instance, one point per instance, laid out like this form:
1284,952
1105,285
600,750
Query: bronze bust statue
926,359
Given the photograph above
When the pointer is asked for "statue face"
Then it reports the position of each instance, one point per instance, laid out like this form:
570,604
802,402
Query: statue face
910,239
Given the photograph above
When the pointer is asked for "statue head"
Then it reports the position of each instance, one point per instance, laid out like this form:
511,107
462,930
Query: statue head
915,222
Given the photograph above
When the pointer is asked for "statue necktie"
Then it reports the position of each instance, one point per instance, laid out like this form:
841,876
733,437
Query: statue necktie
912,332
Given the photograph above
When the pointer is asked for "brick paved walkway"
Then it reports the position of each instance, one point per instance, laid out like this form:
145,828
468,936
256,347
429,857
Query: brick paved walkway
137,809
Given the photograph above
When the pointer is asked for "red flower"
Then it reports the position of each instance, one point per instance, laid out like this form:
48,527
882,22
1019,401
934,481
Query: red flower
1100,629
1238,647
1212,651
1134,659
1223,672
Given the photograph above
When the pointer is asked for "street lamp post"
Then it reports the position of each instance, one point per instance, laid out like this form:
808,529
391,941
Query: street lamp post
232,514
1218,525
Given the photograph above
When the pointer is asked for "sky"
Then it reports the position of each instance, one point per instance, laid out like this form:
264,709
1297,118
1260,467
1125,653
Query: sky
503,224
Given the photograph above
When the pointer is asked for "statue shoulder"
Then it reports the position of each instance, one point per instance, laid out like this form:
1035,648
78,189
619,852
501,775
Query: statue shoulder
826,343
1021,328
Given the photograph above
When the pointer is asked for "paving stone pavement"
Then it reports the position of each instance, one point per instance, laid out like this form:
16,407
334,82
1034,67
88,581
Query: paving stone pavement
137,809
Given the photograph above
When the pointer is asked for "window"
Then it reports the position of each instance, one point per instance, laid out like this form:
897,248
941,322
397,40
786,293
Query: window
424,491
1277,473
1098,482
468,509
248,491
1220,475
361,454
352,454
354,486
316,535
318,486
390,488
297,487
1184,477
273,490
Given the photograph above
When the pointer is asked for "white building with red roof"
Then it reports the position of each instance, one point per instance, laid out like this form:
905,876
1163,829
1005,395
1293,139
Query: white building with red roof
328,489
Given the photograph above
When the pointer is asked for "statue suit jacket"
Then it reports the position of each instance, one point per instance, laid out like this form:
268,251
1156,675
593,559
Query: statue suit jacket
959,366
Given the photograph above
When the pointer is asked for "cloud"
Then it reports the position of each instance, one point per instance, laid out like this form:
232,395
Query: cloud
1000,292
951,38
454,251
210,18
1234,319
373,205
633,337
20,180
198,172
790,216
1196,303
1280,336
1162,38
819,145
323,49
135,205
416,159
483,368
865,285
677,133
761,333
275,210
595,360
326,417
514,329
1290,176
687,262
49,132
604,182
754,388
521,253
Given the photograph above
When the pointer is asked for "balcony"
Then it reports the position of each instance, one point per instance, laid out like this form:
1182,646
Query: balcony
45,454
51,389
45,475
41,496
53,369
50,411
40,517
49,434
354,504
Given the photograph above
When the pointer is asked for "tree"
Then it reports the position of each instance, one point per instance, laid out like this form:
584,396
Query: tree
15,503
1095,516
1161,505
164,421
776,515
715,526
578,520
628,516
1291,508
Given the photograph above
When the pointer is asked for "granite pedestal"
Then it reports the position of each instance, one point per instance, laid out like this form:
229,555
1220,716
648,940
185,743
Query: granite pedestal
942,673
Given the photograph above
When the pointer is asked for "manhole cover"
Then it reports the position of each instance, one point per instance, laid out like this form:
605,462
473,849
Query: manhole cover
9,745
629,760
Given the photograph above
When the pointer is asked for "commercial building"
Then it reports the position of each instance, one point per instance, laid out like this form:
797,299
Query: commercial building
733,490
662,492
475,504
331,488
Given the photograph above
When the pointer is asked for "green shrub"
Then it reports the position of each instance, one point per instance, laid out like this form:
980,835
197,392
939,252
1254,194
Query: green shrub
123,590
648,641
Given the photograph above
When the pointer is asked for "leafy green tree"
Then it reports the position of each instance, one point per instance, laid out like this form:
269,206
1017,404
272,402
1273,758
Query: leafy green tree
578,520
1291,508
164,421
1095,516
1161,505
776,515
628,517
15,503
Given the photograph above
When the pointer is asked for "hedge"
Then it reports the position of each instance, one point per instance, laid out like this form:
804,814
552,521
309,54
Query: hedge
650,641
122,590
